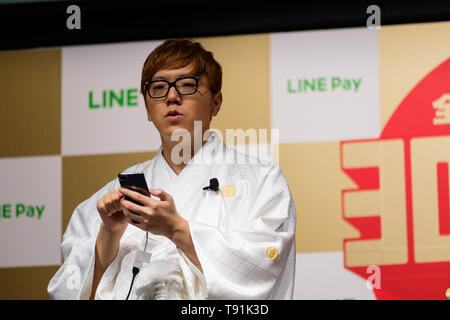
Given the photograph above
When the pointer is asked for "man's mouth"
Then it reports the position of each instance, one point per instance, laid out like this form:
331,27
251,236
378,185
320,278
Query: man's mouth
173,113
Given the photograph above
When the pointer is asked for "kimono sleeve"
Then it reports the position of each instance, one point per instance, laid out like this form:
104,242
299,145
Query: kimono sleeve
73,280
251,253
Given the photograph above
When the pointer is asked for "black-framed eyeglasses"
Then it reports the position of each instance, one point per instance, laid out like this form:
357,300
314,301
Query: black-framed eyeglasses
160,88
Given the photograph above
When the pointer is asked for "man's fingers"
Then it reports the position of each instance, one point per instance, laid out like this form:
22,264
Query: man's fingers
116,200
145,200
135,196
160,193
132,217
132,208
111,201
101,206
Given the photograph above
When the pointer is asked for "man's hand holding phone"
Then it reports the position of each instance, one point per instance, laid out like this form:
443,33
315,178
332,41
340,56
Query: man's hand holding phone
159,217
110,211
114,215
133,204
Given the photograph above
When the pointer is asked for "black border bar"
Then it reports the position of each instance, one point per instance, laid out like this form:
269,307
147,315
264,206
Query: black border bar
31,25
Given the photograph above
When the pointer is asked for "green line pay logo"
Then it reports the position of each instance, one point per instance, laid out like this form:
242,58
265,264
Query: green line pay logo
20,210
323,84
113,98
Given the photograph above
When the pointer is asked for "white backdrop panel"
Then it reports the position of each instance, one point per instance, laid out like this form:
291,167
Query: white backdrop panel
102,108
325,85
30,217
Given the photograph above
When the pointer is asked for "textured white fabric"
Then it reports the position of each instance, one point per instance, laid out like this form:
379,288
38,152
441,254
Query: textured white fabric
231,234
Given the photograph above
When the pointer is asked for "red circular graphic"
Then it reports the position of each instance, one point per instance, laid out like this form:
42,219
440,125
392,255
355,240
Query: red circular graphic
412,118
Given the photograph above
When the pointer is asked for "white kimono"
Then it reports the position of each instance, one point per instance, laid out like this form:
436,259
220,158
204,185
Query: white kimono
243,235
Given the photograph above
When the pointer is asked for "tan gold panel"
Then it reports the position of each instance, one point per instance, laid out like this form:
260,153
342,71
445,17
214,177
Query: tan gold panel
25,283
362,203
426,153
85,175
245,62
407,53
388,202
363,154
30,106
316,180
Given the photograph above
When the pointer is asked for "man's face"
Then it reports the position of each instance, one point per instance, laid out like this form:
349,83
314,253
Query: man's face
177,111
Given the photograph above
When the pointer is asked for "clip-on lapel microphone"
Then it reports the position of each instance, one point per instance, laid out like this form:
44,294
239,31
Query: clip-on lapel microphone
213,185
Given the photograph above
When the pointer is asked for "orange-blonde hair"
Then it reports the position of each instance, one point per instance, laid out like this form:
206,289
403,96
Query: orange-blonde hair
178,53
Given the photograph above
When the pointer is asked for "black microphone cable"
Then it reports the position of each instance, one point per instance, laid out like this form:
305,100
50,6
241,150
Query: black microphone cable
135,272
138,261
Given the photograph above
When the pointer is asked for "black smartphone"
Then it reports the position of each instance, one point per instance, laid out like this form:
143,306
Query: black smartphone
135,182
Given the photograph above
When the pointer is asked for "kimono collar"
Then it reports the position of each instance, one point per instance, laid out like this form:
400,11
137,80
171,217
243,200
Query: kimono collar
205,155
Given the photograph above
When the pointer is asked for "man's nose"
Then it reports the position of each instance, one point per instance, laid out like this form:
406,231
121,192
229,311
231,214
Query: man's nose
173,96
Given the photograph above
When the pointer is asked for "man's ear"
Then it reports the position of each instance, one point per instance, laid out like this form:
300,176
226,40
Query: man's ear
217,103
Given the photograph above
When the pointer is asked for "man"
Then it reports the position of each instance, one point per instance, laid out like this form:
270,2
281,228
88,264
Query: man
235,242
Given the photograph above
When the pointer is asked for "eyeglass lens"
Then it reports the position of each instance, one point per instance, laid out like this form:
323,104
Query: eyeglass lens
184,86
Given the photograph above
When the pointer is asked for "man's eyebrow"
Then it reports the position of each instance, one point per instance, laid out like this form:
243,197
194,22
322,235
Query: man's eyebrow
179,76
